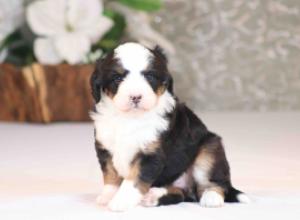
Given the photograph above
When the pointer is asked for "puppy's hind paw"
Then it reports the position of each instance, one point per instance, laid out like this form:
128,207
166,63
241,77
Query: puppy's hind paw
211,199
152,197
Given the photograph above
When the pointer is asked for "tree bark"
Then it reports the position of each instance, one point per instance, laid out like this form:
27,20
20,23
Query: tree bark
41,93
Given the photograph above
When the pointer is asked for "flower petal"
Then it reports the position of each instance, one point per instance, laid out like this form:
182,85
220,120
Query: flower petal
94,24
97,29
45,51
72,47
81,13
46,17
11,17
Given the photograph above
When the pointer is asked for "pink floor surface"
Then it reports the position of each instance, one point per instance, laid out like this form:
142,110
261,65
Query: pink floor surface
51,172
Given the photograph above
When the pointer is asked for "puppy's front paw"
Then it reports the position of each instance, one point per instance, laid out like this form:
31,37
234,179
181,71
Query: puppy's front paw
211,199
121,203
106,194
126,198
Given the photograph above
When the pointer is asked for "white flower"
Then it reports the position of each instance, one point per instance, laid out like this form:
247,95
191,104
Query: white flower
66,28
93,56
11,16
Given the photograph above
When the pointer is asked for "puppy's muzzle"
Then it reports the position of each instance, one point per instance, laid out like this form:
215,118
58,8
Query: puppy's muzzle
135,99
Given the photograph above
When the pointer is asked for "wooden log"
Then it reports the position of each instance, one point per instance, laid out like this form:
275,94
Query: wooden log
41,93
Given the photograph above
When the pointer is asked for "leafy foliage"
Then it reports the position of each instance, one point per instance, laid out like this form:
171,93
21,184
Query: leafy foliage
20,49
112,38
145,5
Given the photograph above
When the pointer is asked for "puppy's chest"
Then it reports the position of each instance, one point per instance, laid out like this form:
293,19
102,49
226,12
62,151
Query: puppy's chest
125,137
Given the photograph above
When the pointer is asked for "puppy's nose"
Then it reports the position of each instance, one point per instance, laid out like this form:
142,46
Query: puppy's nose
135,98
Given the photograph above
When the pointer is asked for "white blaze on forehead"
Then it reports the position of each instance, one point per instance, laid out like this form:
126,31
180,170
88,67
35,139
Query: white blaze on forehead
134,57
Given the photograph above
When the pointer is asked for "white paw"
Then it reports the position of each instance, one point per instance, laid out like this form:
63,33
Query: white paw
126,198
243,198
106,194
152,197
211,199
122,202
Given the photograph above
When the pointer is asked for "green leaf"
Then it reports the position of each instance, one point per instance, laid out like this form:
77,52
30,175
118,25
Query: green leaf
20,50
112,38
117,31
145,5
20,54
11,38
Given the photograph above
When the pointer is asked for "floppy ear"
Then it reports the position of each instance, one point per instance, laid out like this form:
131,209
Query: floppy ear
97,78
168,82
96,81
158,51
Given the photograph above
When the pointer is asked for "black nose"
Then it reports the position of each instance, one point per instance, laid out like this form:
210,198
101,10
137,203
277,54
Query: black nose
136,98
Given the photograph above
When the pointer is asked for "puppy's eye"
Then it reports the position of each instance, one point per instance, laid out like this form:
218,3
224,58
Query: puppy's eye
117,78
150,76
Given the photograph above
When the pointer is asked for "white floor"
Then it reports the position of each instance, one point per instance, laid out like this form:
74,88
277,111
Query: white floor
51,172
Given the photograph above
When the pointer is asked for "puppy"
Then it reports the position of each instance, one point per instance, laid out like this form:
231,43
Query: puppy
153,150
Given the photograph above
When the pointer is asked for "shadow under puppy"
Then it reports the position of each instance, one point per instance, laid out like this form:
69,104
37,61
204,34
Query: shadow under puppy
153,150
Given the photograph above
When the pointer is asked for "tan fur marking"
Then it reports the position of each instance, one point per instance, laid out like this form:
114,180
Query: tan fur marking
135,168
143,187
217,189
202,168
205,158
175,190
160,90
119,69
205,162
152,147
111,176
200,191
109,94
134,175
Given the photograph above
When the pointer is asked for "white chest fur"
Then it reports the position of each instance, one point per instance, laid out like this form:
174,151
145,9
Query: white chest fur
124,136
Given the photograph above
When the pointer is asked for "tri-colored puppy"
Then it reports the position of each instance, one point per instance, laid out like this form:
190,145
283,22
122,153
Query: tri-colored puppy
153,150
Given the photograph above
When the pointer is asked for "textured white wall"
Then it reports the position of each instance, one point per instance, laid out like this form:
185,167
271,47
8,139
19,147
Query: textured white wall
235,54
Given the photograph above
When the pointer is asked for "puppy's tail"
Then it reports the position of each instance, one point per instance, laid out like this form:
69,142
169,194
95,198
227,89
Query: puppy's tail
234,195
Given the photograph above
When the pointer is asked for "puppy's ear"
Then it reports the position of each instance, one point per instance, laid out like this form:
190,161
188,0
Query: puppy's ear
168,82
96,81
159,52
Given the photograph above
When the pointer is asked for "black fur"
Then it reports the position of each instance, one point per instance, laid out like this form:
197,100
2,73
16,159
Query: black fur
96,82
107,76
170,199
158,65
220,174
181,143
103,156
231,195
151,166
